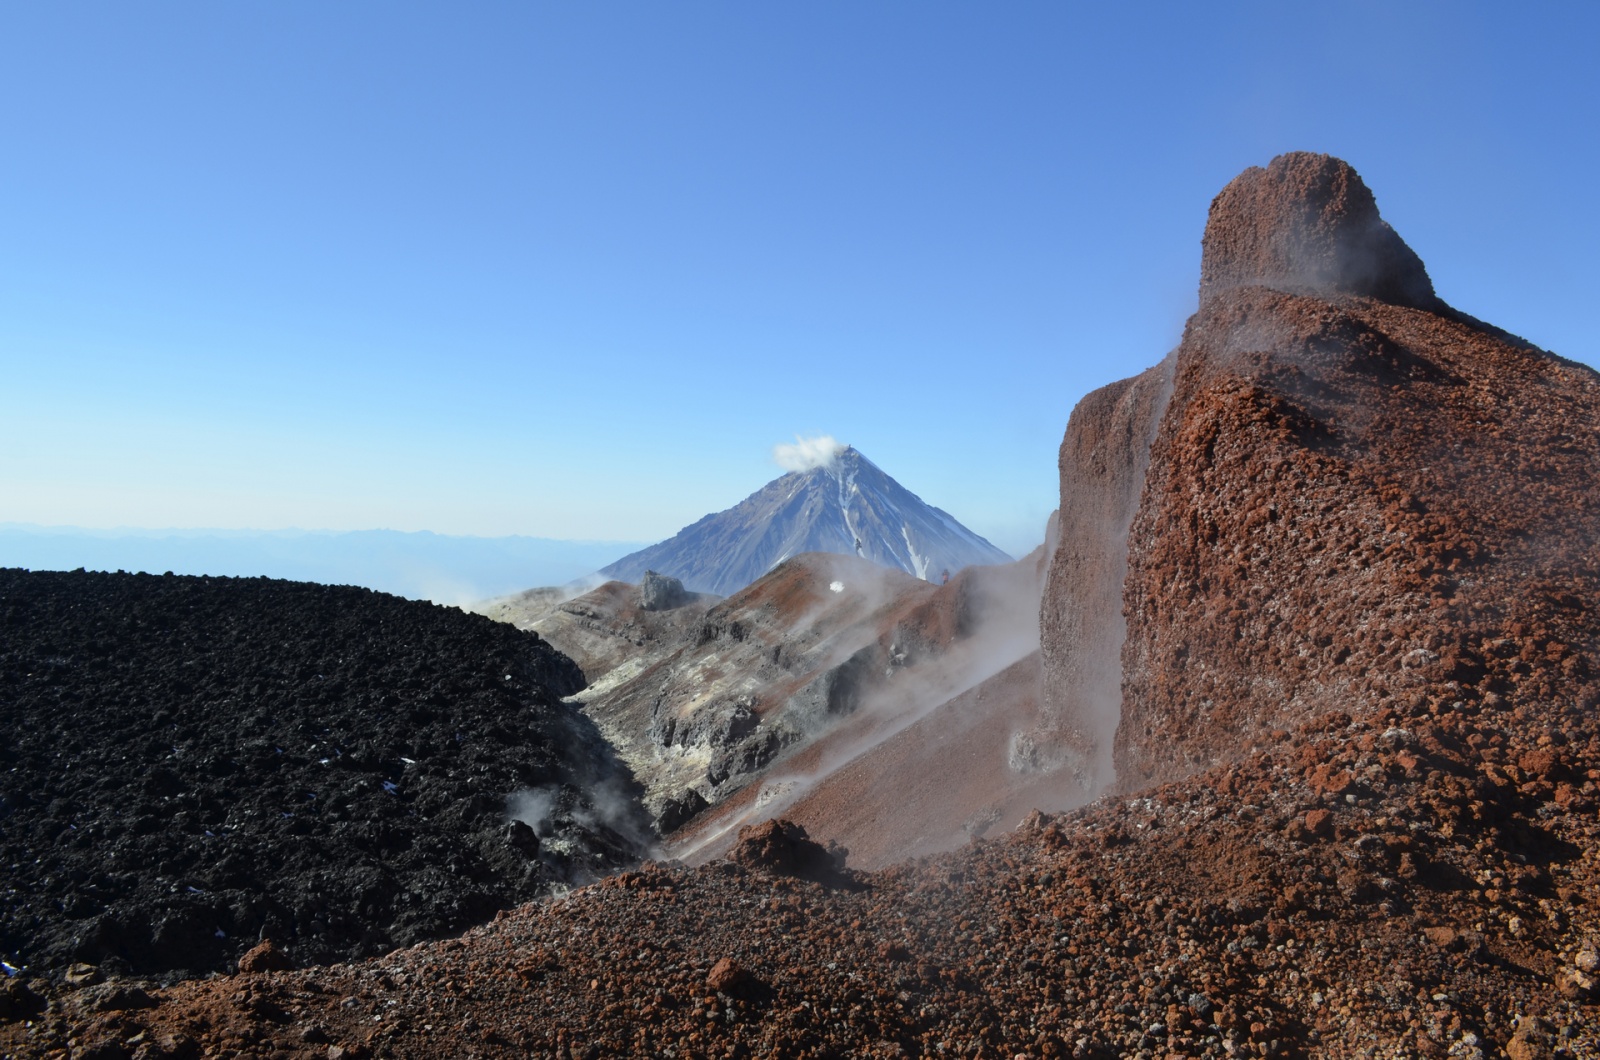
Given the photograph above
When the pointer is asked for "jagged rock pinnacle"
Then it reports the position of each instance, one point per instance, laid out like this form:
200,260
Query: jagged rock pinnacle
1308,224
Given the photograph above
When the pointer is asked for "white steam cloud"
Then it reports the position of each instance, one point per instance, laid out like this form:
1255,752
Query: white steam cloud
807,453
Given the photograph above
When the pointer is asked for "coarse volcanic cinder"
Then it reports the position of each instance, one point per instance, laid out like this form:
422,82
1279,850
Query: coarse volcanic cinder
193,764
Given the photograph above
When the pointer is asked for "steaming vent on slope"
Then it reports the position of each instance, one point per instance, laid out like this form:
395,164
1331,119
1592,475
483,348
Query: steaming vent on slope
735,710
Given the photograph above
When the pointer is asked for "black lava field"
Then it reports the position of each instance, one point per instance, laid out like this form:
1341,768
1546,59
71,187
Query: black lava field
189,765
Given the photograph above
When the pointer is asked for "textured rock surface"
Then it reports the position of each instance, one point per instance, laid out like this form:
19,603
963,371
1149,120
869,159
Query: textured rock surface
715,698
1349,499
919,762
190,764
1201,919
658,592
1308,224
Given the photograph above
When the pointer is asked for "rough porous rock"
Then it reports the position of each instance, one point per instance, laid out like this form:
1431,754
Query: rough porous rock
1081,629
192,763
1350,503
1306,223
265,956
784,848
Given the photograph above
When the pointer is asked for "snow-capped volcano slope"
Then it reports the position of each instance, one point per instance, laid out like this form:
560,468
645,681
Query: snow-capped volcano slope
847,505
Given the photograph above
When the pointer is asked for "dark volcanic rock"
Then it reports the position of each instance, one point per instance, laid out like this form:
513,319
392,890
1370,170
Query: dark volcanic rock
191,764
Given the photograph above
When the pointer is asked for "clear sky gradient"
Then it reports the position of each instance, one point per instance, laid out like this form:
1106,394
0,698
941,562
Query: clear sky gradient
571,270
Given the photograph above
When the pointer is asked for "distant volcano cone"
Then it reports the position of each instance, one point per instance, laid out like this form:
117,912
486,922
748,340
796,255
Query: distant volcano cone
846,506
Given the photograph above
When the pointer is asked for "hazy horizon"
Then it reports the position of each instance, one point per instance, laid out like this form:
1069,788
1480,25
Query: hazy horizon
447,569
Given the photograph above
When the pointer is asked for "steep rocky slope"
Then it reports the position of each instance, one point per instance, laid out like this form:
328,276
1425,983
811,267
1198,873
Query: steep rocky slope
192,763
606,628
1081,626
927,757
1355,493
706,697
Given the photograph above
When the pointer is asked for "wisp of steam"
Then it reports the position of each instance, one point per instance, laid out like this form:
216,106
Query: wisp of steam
807,453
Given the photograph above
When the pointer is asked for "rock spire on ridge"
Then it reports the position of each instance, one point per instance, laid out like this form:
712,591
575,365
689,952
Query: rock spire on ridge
1308,224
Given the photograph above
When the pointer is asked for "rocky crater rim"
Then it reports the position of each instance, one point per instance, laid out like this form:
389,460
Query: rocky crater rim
1308,224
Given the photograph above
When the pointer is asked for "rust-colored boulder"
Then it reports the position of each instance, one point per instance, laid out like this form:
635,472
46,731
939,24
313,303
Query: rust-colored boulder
784,848
728,976
1342,501
265,957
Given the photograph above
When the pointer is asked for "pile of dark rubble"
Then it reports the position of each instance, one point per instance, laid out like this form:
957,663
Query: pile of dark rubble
190,765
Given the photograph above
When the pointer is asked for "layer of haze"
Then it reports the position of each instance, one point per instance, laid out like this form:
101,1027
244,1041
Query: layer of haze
572,271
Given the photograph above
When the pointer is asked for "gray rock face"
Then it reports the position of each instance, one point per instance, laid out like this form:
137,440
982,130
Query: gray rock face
657,592
848,507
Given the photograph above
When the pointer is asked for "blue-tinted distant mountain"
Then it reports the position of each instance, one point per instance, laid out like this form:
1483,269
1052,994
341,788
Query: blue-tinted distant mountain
438,567
845,504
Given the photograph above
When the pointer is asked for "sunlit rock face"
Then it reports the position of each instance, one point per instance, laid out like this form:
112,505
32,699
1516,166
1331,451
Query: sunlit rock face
1338,491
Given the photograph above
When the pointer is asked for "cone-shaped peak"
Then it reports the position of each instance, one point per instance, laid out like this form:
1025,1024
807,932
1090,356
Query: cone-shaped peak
1308,224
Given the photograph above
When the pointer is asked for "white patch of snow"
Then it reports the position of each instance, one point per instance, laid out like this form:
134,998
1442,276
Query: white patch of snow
837,587
919,564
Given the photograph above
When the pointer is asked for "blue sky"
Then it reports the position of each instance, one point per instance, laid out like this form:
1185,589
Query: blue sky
571,270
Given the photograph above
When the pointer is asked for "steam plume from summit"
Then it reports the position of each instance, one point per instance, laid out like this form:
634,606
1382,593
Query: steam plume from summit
807,453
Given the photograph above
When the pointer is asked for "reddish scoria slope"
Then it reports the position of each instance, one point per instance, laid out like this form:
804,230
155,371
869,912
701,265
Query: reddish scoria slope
1243,912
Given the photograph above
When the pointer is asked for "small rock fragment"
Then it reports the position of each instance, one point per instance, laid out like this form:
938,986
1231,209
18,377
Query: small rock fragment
81,974
265,957
728,976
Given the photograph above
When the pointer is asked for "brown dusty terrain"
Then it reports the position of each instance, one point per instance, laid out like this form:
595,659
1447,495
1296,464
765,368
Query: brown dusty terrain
1253,910
1357,754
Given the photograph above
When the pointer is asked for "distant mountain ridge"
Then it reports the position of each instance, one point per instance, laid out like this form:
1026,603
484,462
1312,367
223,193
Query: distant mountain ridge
845,504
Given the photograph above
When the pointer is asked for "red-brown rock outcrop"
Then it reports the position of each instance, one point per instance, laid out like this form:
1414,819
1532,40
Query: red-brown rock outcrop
1356,497
1307,224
